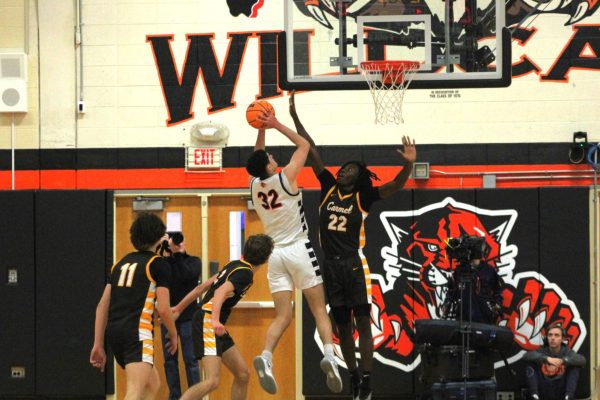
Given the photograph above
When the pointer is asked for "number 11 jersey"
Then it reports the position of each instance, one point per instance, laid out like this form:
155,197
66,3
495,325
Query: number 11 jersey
134,280
280,210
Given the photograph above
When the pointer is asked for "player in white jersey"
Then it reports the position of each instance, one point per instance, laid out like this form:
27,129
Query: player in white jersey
293,263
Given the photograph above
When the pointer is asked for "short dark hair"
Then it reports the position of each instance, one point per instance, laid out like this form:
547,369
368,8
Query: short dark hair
257,249
365,177
146,230
558,326
257,164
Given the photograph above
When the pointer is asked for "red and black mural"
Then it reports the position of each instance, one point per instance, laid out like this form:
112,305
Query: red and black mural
533,235
249,8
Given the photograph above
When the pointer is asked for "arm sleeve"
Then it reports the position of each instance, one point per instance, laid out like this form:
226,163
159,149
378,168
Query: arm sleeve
572,359
368,197
160,270
327,181
535,356
241,278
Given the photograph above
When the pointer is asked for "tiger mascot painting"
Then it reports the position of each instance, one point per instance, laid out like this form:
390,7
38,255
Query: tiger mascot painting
411,281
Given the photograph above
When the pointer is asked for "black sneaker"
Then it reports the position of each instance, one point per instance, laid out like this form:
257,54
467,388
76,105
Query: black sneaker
355,386
365,393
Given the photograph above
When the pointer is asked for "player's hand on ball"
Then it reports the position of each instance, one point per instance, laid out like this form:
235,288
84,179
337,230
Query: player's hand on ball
268,120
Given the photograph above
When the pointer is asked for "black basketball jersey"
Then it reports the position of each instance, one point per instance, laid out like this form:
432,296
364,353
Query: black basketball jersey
134,280
341,217
240,274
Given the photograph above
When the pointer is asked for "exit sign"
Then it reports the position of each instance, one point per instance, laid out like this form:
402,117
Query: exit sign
204,158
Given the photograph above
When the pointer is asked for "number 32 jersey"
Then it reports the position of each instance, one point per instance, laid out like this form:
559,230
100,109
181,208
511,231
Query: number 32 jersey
280,210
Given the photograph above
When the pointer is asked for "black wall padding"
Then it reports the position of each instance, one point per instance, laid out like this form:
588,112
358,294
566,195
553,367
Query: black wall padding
17,313
542,236
110,370
71,253
565,256
311,355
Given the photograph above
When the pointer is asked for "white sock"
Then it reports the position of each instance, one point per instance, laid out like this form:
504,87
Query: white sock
267,355
328,350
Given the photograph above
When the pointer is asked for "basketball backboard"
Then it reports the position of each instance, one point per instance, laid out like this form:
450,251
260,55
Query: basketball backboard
462,43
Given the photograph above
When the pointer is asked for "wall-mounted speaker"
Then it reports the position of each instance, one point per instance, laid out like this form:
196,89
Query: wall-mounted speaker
13,82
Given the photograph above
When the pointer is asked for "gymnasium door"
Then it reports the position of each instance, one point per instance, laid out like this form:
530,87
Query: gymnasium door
249,321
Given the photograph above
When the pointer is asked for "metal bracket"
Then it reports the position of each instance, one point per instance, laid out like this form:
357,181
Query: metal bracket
441,59
344,62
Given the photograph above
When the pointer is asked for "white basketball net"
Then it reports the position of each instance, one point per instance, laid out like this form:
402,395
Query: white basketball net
387,82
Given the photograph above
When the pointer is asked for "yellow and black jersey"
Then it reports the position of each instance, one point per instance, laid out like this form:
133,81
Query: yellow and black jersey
134,280
240,273
341,217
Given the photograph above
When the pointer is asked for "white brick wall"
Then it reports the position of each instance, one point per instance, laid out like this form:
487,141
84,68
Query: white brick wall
125,104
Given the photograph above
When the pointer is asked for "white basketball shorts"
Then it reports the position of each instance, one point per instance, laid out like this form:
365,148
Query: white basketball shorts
294,266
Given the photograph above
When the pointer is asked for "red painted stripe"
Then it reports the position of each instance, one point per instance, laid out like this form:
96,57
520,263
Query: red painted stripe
236,178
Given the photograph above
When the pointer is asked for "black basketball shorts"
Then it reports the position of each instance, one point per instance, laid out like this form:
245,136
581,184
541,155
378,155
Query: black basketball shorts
206,342
345,282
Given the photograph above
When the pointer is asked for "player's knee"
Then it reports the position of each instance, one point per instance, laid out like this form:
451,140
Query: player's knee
212,383
284,318
243,376
363,324
153,385
344,330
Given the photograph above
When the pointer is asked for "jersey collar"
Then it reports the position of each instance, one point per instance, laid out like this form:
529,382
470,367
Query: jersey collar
248,264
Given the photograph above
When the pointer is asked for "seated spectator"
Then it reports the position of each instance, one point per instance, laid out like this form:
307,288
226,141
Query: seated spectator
553,370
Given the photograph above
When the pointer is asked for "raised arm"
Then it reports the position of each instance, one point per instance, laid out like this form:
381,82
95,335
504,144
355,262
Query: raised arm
98,354
193,295
314,159
409,154
260,140
296,163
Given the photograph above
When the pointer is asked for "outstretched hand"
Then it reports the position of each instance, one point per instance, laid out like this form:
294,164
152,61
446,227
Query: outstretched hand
410,151
293,103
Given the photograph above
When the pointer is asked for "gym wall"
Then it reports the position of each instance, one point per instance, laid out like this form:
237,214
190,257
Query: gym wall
122,47
541,240
59,243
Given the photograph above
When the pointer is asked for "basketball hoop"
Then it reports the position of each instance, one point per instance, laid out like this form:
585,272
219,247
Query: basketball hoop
388,80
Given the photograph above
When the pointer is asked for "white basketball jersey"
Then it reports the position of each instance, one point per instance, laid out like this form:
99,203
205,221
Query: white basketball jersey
280,211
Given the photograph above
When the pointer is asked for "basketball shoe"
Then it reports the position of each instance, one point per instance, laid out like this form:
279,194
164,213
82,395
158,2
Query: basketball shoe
264,369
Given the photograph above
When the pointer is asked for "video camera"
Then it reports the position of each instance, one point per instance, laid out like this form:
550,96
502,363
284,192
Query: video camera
176,237
466,248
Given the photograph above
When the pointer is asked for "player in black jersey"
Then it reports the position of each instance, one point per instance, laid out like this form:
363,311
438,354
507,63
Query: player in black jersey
126,310
212,343
345,203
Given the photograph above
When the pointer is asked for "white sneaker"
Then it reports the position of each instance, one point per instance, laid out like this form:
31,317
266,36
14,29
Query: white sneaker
263,368
330,368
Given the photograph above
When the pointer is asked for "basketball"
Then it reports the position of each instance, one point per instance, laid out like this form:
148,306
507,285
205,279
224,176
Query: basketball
255,109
